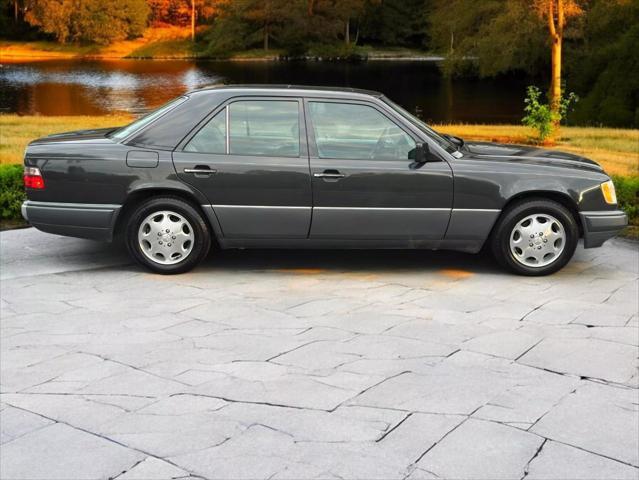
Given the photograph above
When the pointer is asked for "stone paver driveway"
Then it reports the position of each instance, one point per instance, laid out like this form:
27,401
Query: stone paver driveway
354,365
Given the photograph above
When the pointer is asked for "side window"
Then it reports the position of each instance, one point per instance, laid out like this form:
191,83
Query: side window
264,127
211,138
350,131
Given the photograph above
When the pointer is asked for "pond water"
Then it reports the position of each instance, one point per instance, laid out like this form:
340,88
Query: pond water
73,87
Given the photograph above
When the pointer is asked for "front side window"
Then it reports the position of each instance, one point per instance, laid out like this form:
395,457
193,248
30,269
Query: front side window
351,131
211,138
264,127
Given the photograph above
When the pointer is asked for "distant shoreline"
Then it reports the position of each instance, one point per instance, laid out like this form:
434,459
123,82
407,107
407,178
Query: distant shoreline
21,52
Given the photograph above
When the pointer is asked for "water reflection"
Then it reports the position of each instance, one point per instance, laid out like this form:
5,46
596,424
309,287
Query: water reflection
72,87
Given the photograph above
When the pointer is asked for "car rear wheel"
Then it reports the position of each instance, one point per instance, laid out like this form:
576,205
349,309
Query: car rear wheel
167,235
535,237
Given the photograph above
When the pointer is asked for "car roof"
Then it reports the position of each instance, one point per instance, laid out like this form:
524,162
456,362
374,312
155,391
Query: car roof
300,89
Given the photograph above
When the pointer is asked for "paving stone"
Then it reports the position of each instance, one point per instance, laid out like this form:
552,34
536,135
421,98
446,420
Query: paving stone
480,450
76,410
153,469
558,461
55,451
598,419
608,361
417,433
15,422
327,365
507,344
448,387
171,434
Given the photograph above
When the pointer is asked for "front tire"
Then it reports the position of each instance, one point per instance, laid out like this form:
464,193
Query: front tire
535,237
167,235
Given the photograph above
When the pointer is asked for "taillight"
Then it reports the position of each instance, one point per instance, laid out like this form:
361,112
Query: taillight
33,178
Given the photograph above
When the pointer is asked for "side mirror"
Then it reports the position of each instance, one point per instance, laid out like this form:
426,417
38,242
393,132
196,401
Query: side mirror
421,153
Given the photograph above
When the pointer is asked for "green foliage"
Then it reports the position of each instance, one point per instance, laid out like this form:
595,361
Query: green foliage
296,26
11,192
98,21
394,22
627,189
540,116
605,66
488,37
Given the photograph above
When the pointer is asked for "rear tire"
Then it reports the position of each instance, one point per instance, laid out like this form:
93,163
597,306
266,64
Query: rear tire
535,237
167,235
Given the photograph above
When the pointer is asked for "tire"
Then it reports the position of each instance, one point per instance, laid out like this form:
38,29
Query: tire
177,250
535,237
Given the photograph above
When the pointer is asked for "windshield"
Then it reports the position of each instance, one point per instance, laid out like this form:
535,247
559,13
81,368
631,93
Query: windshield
122,133
443,142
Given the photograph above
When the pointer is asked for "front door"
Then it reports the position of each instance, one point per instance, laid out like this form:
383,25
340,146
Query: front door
250,160
365,185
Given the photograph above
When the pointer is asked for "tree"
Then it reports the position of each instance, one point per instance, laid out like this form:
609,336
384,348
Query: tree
556,13
182,12
605,66
395,23
99,21
487,37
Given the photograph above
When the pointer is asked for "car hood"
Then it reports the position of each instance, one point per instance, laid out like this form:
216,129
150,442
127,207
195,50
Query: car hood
527,155
75,136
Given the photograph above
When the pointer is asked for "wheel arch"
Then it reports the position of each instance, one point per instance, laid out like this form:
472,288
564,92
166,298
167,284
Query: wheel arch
562,198
138,196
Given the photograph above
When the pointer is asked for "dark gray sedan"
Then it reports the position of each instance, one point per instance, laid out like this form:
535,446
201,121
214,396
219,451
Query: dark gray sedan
302,167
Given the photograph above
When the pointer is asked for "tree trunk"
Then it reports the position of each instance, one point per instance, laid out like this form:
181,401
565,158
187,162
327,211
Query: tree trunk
556,29
555,82
15,10
266,37
347,33
452,41
192,20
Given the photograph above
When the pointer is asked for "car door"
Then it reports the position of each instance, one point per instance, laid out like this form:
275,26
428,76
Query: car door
365,184
251,161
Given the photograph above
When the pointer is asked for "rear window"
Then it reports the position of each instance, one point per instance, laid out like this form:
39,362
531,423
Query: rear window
124,132
166,132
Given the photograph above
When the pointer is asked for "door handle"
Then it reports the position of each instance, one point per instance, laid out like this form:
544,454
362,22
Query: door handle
200,170
329,174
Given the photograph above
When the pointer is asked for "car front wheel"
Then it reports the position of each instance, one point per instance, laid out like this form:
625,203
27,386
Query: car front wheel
535,237
167,235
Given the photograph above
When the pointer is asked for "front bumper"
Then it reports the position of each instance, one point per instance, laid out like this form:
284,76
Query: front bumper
83,220
600,226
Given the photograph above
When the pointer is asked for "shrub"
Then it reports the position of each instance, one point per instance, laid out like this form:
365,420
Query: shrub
11,192
628,196
540,116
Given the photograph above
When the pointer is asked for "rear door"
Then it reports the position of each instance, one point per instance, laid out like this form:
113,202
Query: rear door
365,184
250,159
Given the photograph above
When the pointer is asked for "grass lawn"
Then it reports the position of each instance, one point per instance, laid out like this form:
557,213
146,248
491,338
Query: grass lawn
157,42
617,150
17,131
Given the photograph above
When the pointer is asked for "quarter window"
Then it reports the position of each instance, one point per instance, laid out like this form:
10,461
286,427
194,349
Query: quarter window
264,127
211,138
351,131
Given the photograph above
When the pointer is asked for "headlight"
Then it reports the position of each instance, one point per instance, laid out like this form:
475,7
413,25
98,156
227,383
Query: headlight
609,194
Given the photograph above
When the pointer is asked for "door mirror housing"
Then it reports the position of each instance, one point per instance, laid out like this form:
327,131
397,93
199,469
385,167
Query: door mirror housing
421,153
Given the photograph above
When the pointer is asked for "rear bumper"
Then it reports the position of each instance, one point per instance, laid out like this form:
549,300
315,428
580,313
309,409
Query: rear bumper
83,220
600,226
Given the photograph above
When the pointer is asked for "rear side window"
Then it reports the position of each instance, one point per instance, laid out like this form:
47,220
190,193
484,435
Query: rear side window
351,131
211,138
264,127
